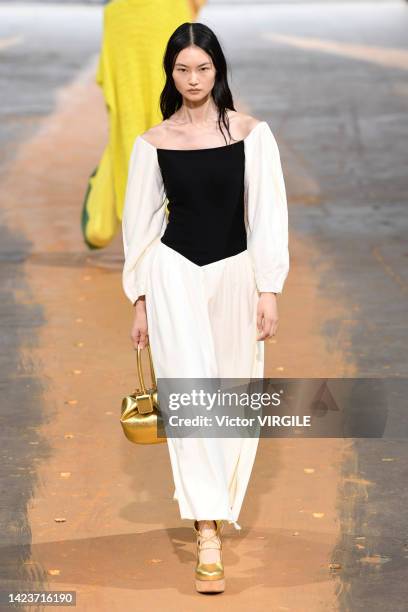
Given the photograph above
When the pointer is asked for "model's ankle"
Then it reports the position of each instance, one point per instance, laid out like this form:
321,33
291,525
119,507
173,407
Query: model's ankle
207,524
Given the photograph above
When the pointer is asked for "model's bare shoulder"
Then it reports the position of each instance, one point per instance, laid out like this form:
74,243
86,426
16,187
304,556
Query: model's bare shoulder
242,123
156,134
250,123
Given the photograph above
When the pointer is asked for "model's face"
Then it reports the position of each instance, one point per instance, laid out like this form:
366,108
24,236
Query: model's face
194,69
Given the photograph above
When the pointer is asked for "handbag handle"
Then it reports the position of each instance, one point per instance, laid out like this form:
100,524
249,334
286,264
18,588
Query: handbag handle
140,372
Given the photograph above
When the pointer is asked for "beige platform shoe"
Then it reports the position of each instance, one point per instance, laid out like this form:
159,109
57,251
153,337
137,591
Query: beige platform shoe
209,577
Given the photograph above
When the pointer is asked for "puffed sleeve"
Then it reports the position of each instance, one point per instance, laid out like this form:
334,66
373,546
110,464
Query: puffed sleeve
266,210
144,216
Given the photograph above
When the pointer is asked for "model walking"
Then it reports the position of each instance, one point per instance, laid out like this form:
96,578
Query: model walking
204,283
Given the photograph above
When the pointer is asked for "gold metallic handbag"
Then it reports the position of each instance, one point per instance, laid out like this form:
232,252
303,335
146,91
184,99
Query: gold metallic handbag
140,416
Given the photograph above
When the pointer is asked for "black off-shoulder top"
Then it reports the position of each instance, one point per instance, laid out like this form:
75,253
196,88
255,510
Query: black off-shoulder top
205,190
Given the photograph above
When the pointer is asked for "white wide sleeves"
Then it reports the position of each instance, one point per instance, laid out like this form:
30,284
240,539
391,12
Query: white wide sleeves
266,210
144,216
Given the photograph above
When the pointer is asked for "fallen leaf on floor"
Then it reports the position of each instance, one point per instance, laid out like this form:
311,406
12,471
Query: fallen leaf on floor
318,514
356,480
375,559
334,566
54,572
60,519
308,470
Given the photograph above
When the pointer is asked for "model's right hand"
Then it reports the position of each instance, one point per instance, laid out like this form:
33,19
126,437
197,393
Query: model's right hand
267,316
139,333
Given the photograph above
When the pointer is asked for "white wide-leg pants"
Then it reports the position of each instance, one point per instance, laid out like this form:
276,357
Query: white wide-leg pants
202,323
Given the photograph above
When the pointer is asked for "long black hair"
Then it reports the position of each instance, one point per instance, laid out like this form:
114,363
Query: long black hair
202,36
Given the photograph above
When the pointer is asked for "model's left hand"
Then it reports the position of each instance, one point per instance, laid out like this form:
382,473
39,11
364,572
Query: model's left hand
267,316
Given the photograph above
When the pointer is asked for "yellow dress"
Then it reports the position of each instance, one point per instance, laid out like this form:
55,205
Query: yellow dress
130,73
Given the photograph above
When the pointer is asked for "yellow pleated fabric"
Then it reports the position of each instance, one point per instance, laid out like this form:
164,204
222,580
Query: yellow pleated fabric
130,73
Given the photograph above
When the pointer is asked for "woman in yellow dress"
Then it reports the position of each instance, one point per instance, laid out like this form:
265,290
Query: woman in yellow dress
135,33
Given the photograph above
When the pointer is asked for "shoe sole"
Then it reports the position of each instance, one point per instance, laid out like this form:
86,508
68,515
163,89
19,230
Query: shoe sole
210,586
